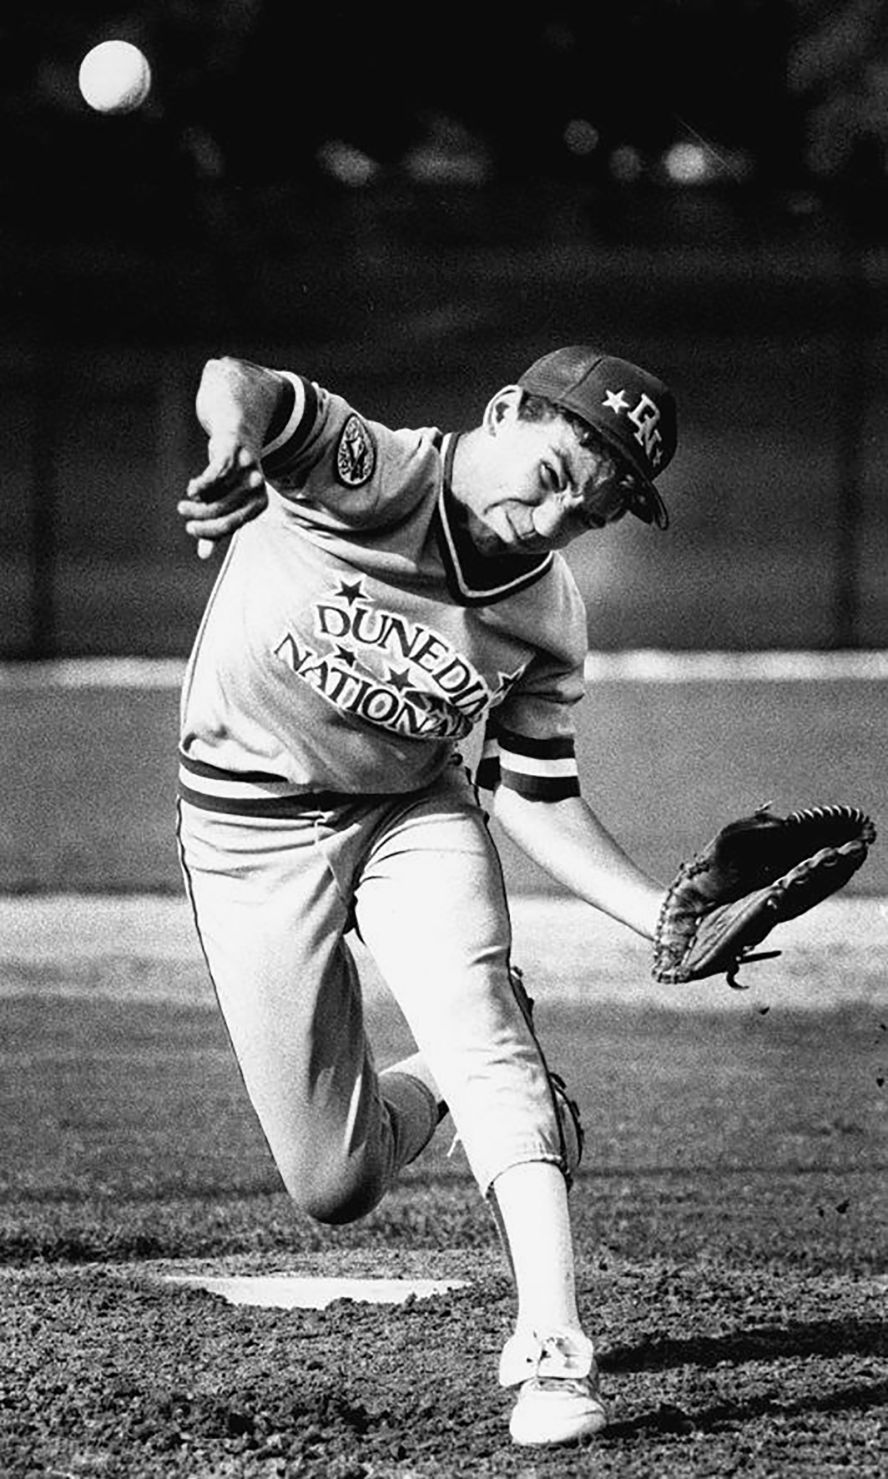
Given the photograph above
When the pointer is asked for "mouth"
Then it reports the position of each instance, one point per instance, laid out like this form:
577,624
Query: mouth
526,539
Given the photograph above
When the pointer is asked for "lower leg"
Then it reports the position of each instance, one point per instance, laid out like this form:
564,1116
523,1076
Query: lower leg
532,1210
414,1103
417,1068
549,1358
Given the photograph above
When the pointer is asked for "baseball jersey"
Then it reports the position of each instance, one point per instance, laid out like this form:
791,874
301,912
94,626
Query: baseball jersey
354,636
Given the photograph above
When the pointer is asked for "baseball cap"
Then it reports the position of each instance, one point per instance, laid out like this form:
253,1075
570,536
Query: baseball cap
631,410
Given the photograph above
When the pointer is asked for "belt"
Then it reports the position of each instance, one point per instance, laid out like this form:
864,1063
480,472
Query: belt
252,793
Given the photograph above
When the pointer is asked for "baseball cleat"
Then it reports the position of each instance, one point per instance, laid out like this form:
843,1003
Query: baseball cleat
558,1398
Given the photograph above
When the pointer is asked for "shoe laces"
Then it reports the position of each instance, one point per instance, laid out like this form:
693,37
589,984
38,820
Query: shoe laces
565,1386
554,1346
558,1353
583,1384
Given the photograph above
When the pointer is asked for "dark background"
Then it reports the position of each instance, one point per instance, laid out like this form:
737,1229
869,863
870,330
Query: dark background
411,206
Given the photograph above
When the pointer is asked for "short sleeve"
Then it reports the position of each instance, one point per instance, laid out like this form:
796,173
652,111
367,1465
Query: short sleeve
339,469
530,739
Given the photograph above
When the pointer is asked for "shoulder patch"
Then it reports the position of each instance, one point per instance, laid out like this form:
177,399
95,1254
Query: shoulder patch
355,454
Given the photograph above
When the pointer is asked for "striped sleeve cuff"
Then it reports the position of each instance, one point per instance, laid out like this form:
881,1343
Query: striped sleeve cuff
539,769
298,417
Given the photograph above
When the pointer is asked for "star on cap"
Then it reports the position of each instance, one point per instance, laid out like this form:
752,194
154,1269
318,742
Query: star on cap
616,401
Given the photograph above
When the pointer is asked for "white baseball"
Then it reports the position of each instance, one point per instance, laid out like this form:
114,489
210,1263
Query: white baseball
115,77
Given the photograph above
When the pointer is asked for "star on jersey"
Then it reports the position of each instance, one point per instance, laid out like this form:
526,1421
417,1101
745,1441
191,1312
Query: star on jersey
350,590
616,401
505,681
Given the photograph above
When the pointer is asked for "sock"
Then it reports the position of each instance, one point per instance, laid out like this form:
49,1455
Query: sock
416,1067
414,1109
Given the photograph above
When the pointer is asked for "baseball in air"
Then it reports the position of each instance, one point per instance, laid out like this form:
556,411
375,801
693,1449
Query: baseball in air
115,77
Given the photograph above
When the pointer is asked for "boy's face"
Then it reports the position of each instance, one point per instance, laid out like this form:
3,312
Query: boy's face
541,488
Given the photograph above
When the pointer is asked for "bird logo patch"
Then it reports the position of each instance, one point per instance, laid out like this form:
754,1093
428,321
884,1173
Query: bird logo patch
355,454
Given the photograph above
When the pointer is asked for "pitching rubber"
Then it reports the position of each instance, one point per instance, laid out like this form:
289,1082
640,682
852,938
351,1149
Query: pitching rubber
298,1292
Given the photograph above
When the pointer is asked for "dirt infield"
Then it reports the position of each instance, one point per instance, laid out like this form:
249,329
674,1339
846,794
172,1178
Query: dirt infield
732,1247
707,1371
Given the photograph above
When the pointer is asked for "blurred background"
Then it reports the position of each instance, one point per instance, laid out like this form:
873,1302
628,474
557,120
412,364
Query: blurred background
409,206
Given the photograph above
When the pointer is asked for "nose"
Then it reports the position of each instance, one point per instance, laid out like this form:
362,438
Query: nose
549,516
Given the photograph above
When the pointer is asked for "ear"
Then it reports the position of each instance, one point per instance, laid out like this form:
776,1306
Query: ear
502,408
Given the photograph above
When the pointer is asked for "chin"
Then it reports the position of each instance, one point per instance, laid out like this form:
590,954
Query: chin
490,544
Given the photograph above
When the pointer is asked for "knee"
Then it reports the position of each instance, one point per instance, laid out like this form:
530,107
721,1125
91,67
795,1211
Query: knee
337,1197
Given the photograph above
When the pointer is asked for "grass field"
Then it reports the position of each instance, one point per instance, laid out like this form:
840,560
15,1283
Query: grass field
87,788
730,1215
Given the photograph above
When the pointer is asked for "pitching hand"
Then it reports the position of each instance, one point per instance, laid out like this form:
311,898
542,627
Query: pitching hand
228,493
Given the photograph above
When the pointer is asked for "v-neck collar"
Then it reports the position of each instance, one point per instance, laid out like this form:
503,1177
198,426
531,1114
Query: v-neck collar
474,579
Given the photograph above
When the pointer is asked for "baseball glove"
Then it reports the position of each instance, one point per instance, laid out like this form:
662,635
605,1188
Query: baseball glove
755,873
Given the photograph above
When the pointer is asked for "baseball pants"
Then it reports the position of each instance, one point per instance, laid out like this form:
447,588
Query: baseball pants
418,876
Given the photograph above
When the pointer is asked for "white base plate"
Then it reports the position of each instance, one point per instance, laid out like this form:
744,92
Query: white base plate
296,1292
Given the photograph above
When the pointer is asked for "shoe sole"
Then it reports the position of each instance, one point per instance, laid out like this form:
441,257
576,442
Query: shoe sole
541,1435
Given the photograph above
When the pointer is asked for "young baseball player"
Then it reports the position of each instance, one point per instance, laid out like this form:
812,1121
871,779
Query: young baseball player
385,593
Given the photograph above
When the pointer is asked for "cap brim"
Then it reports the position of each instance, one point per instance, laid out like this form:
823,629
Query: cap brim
649,507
